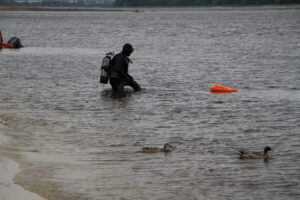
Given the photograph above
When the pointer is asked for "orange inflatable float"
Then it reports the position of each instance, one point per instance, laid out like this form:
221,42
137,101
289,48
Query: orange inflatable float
221,89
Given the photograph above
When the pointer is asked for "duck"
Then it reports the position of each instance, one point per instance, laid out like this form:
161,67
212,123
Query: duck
167,148
255,155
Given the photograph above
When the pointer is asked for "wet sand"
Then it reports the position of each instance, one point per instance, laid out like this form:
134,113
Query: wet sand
8,189
20,176
8,170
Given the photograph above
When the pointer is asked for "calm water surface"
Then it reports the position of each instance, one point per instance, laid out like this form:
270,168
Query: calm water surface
74,141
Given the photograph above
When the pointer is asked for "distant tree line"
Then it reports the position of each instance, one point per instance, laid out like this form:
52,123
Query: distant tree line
125,3
58,3
4,2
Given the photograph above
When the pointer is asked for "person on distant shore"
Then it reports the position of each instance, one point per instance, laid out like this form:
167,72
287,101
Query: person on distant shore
118,71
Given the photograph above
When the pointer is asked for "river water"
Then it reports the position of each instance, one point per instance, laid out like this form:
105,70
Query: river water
74,140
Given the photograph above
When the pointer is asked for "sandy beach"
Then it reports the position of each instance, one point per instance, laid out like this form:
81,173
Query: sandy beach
8,170
9,190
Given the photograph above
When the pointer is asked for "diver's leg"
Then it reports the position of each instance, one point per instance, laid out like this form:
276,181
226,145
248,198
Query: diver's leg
114,82
121,87
132,83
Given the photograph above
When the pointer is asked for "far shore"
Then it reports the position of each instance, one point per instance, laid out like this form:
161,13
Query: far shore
137,9
22,8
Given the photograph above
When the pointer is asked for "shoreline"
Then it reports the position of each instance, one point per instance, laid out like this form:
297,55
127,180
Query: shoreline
9,190
139,9
24,172
9,169
62,9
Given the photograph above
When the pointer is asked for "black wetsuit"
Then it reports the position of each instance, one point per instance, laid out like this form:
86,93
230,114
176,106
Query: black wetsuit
118,74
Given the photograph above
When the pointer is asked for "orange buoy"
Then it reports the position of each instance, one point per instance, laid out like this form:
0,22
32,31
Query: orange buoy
221,89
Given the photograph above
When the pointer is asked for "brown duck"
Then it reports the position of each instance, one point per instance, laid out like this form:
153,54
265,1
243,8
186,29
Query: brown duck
167,148
255,155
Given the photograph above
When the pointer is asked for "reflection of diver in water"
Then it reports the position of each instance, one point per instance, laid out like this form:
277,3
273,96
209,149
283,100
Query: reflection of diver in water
118,71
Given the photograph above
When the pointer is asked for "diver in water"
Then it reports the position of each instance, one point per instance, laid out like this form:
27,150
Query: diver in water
118,71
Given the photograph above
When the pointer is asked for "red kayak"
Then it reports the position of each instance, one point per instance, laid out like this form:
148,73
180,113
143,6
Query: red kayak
221,89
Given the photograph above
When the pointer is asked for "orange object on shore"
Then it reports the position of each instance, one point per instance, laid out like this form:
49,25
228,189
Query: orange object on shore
221,89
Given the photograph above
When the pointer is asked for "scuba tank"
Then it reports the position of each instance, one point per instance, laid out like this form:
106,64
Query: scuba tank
105,66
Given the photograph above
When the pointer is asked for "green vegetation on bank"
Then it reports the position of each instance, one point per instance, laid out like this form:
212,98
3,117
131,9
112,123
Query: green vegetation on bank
141,3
